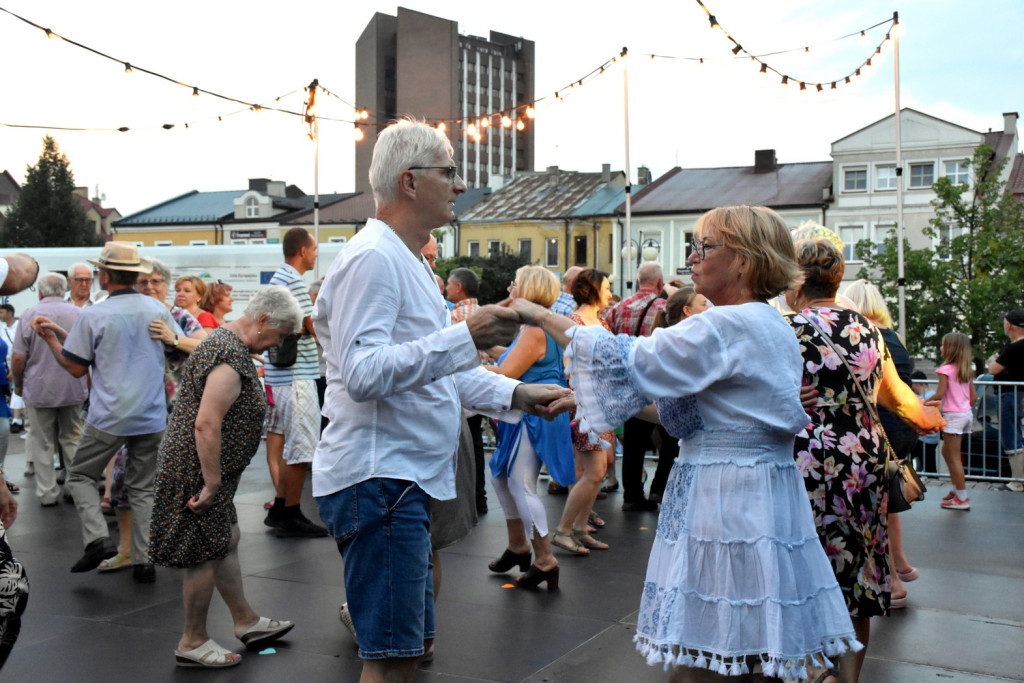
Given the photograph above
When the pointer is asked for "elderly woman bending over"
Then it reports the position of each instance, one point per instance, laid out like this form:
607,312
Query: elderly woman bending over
737,578
212,435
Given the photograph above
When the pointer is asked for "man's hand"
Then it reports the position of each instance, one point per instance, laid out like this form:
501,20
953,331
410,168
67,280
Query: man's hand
492,326
545,400
48,330
527,311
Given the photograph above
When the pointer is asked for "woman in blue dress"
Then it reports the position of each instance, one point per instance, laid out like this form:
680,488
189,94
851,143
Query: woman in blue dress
533,357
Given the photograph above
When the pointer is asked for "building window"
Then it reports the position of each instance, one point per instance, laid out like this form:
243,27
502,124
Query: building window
882,232
252,207
337,239
922,175
526,250
474,249
493,247
551,253
885,177
198,243
163,243
946,235
580,250
855,180
850,235
957,172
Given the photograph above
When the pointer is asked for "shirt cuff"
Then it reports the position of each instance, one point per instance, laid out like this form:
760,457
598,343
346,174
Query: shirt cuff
461,346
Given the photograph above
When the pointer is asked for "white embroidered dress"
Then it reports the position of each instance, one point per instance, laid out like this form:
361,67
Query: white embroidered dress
736,570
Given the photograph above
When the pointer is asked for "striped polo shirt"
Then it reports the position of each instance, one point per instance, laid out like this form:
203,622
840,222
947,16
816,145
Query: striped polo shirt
306,366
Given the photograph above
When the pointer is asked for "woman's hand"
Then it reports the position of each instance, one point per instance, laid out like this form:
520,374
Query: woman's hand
158,329
203,501
527,311
808,397
931,423
8,506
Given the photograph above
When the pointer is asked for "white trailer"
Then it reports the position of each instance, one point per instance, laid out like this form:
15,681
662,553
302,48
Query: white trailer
244,267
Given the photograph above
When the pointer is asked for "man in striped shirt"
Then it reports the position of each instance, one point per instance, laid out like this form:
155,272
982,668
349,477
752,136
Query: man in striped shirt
294,426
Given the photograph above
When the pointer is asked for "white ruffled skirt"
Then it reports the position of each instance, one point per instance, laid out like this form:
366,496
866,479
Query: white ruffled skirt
737,573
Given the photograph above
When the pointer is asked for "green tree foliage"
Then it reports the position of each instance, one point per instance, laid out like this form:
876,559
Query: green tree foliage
47,214
495,271
974,273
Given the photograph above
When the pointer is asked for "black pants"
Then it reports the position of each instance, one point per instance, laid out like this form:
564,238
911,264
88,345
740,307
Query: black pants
476,431
636,439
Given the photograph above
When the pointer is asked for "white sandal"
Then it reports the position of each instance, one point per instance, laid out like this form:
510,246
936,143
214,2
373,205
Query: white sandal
209,655
264,631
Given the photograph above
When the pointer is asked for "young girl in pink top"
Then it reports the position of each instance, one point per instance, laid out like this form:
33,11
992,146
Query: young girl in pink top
956,390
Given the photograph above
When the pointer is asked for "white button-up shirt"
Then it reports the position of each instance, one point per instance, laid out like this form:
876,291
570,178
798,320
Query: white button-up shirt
397,370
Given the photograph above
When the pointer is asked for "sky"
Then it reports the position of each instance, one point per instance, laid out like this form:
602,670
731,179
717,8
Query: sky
958,61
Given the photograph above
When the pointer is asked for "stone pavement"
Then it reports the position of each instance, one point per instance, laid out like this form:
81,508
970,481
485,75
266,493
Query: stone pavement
965,620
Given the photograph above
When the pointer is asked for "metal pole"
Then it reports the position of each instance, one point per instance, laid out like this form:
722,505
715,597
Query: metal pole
901,281
629,173
316,191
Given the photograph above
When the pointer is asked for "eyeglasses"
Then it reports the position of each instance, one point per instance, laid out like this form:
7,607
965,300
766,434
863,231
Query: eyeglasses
450,171
700,247
154,281
511,285
81,279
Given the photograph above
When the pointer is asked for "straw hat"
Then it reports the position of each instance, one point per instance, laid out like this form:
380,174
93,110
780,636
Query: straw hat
122,256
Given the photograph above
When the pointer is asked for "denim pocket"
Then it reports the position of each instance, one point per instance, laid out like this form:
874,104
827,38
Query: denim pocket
340,512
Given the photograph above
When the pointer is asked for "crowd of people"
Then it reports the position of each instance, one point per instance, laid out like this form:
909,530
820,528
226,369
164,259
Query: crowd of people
775,405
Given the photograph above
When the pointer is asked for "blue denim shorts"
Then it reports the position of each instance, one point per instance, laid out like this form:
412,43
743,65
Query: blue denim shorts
382,528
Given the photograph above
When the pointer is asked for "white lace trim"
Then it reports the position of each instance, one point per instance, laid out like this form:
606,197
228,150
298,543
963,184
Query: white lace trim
788,667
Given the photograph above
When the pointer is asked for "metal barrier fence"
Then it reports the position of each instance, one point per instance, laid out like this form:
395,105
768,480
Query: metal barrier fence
982,451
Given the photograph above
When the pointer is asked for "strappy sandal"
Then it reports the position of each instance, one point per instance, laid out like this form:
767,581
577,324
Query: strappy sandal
13,488
568,542
588,541
595,520
209,655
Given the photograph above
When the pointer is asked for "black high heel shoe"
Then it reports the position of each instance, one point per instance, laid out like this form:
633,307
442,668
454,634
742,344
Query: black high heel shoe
534,577
508,560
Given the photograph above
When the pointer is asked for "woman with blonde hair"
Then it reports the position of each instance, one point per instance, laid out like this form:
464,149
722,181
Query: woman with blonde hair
533,357
189,291
736,543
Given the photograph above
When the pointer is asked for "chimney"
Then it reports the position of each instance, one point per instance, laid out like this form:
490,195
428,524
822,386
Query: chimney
553,175
643,176
765,161
275,188
82,192
552,170
1010,123
259,184
606,173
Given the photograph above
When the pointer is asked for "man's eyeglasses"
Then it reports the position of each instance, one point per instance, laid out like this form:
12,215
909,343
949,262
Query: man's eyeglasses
450,171
153,282
700,247
81,279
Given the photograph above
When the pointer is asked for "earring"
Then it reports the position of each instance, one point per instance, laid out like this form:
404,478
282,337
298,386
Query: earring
259,332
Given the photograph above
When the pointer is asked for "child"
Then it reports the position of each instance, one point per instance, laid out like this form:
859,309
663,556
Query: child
956,390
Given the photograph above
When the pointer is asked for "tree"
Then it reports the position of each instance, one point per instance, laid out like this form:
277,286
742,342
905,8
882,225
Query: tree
495,271
47,214
972,276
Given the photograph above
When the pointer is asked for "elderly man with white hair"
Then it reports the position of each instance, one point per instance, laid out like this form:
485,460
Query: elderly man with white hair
53,398
398,373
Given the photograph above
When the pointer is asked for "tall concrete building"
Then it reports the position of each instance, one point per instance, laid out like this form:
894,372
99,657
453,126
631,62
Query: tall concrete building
417,64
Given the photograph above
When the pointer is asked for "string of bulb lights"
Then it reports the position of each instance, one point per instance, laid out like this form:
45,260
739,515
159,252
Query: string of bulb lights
475,126
820,85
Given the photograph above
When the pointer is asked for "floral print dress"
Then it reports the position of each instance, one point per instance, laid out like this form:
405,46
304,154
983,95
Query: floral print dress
841,454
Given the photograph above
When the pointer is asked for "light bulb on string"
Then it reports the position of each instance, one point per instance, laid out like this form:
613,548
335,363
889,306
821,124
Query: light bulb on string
471,130
530,112
764,68
442,127
520,125
506,121
477,137
357,133
195,91
484,122
127,68
49,33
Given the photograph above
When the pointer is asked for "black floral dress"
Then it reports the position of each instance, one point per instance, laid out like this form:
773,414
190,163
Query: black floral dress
841,455
178,537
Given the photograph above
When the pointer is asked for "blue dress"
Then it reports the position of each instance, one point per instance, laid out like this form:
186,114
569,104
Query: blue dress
550,439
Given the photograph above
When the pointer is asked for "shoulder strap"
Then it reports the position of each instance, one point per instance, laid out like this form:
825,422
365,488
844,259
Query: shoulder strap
643,316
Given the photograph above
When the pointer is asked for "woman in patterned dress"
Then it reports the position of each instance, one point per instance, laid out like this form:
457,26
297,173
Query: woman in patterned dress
737,577
841,454
212,436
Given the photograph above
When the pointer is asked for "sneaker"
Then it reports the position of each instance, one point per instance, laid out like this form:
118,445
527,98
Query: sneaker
346,618
956,503
16,428
642,505
273,518
948,496
299,527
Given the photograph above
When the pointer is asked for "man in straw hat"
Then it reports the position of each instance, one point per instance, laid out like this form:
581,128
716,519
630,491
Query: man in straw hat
127,403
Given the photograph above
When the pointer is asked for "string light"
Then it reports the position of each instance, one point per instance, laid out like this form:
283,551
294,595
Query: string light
195,91
442,127
520,125
358,133
765,67
127,68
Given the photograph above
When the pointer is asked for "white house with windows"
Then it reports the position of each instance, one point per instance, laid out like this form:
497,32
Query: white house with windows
865,182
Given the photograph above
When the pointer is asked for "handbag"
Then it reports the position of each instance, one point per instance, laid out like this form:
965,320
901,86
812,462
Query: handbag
901,479
285,355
